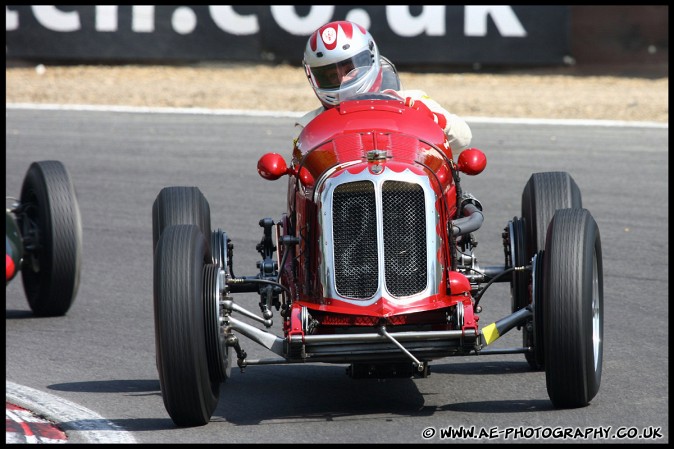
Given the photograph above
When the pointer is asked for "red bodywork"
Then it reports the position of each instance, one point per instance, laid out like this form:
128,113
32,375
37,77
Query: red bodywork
336,143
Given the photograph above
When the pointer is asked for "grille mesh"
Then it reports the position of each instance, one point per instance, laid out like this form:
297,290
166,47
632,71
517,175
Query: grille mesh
404,238
355,235
355,239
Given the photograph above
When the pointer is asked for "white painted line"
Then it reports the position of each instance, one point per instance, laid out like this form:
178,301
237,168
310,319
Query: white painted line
77,421
570,122
150,110
280,114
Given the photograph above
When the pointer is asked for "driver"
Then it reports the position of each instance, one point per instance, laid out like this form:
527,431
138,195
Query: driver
337,48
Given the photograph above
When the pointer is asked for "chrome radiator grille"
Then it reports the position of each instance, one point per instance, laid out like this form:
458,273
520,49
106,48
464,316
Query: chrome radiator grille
355,239
355,235
404,238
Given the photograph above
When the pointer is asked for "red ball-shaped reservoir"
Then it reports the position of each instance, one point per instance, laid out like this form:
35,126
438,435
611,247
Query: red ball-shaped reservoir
272,166
472,161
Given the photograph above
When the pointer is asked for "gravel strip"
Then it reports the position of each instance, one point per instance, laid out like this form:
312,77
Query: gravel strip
284,87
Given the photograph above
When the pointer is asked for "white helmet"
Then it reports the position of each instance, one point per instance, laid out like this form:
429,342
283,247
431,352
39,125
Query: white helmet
334,50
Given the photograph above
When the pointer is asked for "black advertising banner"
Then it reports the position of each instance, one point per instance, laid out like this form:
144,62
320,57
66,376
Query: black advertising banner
408,35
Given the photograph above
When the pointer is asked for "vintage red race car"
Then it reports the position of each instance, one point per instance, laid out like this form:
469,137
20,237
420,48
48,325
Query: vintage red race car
373,266
43,239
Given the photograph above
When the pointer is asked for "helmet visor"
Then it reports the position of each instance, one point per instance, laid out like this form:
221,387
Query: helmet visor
332,76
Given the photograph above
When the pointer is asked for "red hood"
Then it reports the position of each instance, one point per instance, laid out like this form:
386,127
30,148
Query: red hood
347,132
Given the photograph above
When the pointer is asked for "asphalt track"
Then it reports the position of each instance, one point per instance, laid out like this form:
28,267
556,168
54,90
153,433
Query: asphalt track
91,374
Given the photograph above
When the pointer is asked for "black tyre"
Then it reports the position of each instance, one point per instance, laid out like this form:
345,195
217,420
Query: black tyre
189,394
180,205
51,228
573,316
543,194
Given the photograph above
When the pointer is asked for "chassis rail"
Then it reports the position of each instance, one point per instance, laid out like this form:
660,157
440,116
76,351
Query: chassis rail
380,346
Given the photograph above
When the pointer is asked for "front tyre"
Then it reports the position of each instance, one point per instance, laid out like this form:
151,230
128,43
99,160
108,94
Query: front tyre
543,194
180,205
189,394
51,228
573,315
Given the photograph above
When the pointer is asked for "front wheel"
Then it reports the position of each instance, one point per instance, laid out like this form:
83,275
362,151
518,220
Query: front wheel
573,314
51,229
180,205
189,394
543,194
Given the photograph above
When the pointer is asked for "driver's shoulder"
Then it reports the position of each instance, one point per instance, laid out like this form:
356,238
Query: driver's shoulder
415,94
